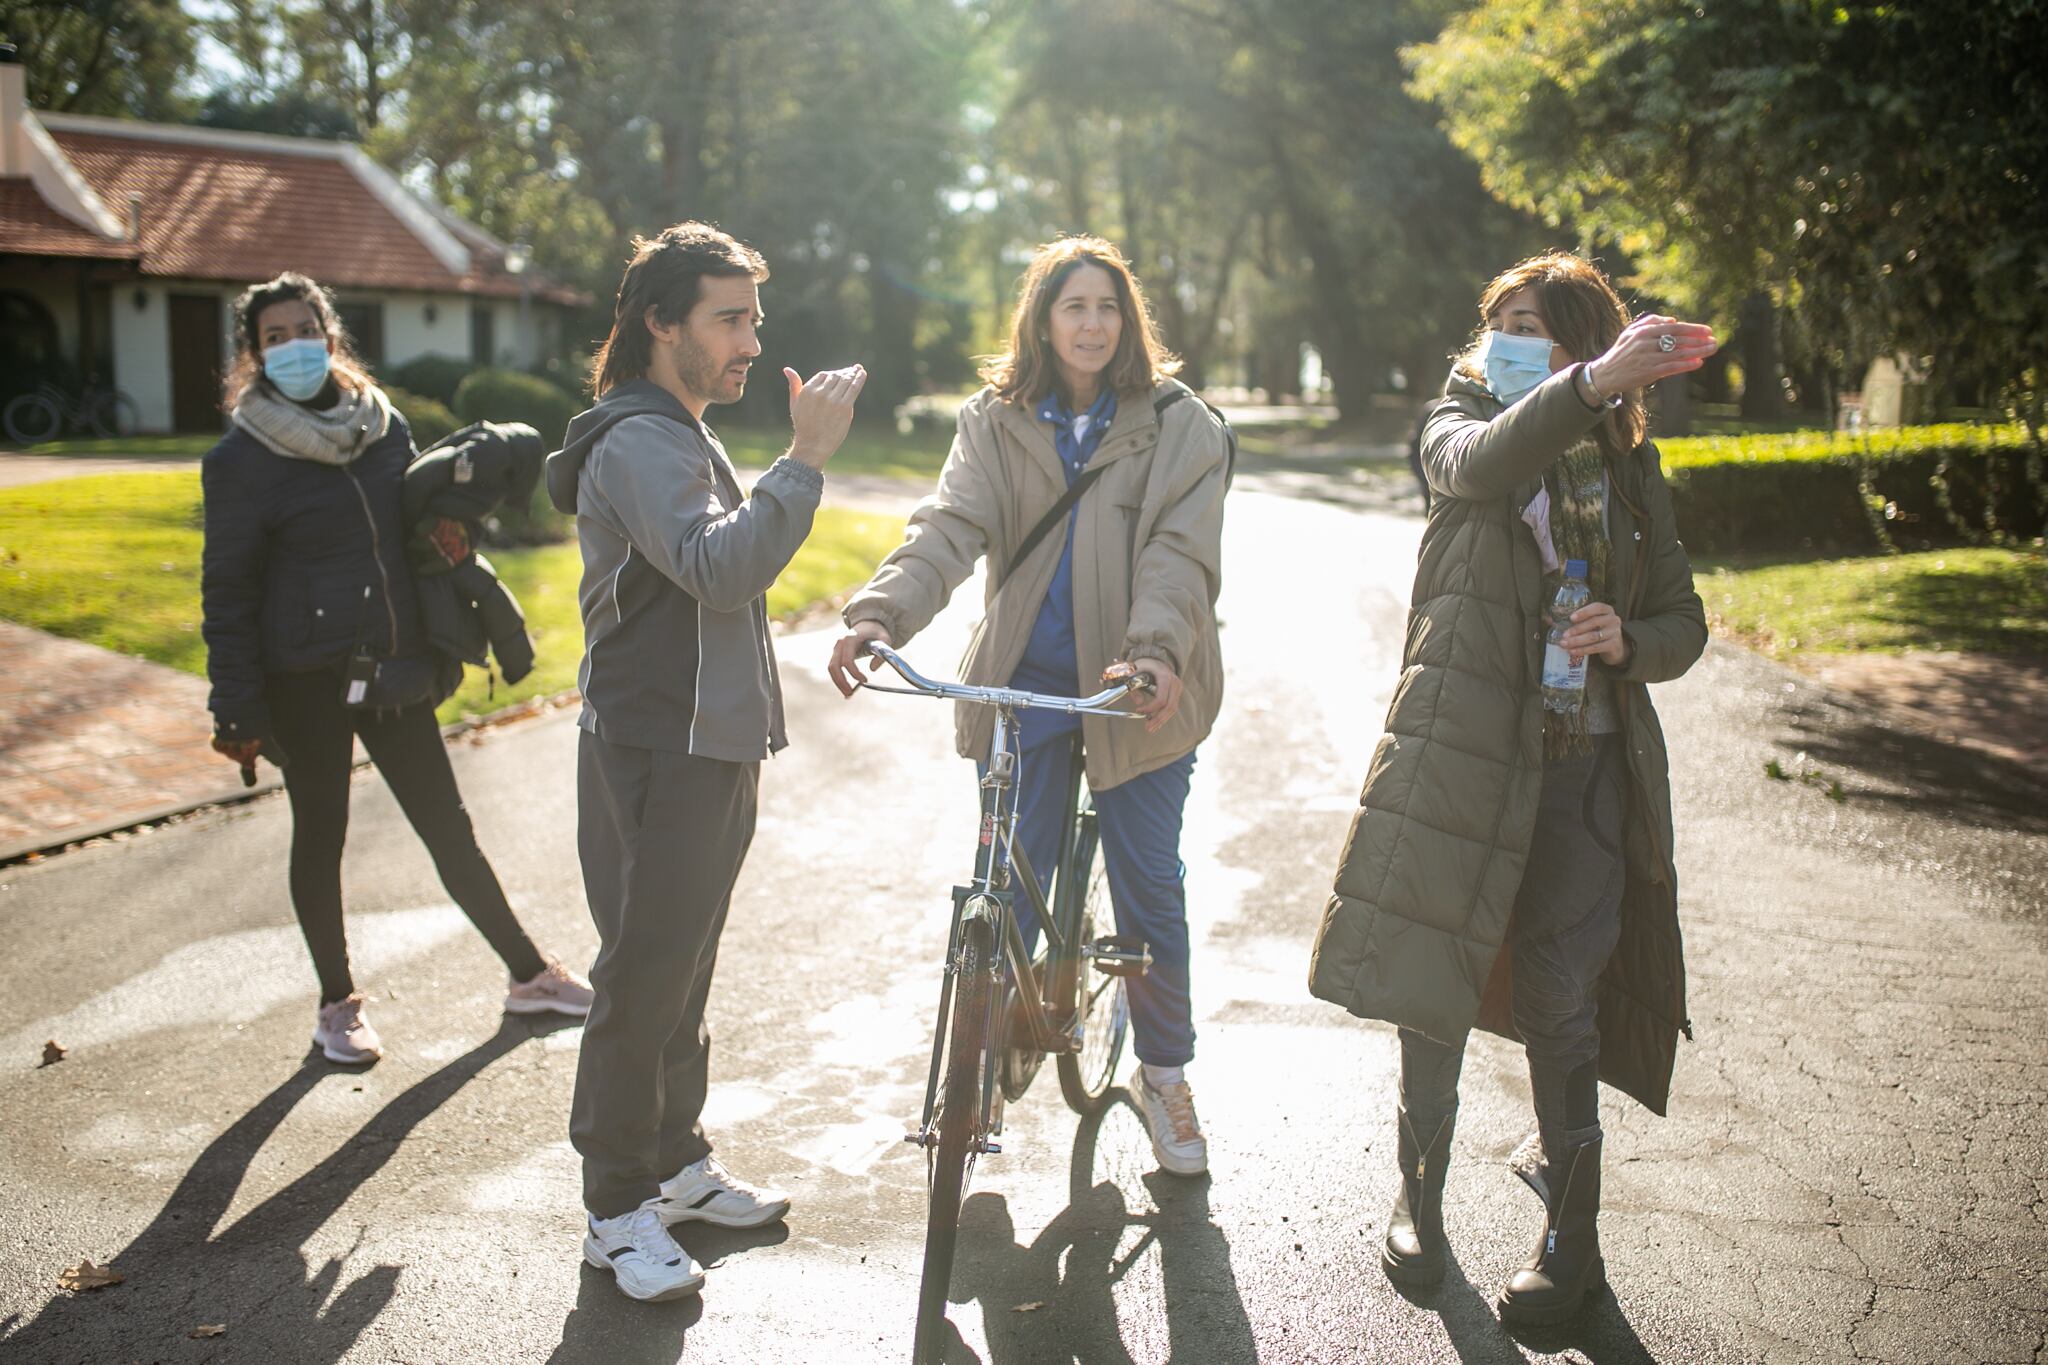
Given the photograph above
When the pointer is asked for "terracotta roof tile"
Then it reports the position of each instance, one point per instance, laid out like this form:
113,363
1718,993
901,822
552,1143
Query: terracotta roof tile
218,212
30,227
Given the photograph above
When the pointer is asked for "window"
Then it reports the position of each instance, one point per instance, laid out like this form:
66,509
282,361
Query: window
30,336
364,323
483,335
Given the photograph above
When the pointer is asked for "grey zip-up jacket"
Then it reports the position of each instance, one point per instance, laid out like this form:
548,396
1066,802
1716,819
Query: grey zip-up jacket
677,563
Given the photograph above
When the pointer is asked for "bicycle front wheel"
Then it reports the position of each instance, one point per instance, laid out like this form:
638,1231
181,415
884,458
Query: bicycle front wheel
114,414
959,1123
1101,1008
31,419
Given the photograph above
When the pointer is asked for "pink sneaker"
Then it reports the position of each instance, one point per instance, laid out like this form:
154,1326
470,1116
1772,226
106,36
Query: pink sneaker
556,989
344,1035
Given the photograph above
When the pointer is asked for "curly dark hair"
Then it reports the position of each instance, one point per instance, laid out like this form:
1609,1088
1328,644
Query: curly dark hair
348,369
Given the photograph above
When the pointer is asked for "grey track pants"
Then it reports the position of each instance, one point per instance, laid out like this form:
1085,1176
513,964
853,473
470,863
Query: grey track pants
662,837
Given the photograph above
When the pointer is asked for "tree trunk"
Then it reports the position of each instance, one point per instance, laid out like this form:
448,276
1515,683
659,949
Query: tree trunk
1763,397
892,352
1349,358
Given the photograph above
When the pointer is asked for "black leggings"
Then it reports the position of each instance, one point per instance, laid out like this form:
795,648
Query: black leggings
318,735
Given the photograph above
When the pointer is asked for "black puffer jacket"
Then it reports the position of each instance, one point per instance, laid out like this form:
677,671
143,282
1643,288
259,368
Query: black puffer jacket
302,561
465,477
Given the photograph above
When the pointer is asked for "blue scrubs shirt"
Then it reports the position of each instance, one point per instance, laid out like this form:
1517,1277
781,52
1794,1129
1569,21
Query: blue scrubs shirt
1049,664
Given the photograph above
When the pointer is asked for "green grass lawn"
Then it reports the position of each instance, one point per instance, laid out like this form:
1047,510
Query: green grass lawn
878,451
194,444
113,560
1992,601
882,452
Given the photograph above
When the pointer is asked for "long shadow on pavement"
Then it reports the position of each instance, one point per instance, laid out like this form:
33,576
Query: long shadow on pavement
1055,1299
1602,1333
254,1275
607,1326
1930,775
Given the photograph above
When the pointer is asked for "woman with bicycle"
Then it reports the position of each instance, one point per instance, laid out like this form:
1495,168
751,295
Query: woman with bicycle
1130,573
1510,866
313,638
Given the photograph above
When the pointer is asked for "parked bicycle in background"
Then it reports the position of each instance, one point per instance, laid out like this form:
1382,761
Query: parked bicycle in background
98,410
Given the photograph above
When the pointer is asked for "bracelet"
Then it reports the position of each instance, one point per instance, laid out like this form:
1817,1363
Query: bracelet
1599,398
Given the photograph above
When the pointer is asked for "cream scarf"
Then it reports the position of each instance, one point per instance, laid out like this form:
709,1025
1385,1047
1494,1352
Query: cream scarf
333,435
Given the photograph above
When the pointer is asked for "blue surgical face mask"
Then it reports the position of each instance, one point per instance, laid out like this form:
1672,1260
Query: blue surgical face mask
1514,365
298,367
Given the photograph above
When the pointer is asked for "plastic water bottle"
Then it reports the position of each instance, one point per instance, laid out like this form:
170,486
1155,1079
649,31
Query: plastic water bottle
1564,682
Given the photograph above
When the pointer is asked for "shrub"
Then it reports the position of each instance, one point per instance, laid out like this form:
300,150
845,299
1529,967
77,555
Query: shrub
537,523
1904,488
432,376
508,396
429,420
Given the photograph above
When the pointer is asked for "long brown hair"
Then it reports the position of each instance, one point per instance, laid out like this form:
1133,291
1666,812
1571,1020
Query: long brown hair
1028,370
666,274
347,368
1584,314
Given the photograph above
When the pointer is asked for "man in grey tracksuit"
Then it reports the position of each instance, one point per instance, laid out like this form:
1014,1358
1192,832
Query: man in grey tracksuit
681,701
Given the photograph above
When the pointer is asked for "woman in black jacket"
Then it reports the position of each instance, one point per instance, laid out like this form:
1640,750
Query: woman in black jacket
313,637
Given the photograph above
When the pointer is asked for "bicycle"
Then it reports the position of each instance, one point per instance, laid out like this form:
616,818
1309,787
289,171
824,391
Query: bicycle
32,418
1002,1009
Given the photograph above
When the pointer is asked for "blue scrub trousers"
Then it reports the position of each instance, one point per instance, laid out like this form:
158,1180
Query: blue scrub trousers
1140,822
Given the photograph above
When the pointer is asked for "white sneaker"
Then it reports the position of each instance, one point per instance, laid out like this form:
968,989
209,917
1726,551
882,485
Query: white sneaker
1169,1112
343,1035
707,1191
638,1251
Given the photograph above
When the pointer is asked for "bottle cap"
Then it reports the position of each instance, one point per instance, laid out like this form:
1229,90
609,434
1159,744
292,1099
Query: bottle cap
1575,568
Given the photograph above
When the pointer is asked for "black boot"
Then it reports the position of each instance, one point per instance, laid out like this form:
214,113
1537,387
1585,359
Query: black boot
1414,1249
1567,1265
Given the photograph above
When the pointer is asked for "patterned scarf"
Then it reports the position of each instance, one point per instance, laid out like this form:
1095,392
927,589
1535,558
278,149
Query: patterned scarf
1577,483
333,435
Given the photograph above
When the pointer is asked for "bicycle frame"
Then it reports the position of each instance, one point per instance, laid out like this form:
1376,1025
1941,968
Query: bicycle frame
1001,867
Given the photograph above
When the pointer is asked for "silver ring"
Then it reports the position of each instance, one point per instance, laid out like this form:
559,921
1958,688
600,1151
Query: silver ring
1667,343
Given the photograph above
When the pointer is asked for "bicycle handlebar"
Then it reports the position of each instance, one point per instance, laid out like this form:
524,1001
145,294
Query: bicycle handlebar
1126,679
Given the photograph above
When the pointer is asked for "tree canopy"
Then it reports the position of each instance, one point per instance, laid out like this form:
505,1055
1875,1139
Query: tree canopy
1877,167
1280,171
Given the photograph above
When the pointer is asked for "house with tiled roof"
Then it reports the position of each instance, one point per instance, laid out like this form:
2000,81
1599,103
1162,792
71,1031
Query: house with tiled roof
122,245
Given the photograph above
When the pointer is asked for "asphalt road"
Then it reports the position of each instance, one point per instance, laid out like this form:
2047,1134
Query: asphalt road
1853,1169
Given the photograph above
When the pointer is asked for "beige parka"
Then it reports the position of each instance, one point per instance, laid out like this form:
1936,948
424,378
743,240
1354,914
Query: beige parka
1148,555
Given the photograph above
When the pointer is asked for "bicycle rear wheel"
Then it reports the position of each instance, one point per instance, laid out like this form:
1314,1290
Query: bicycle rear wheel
1102,1009
31,419
959,1120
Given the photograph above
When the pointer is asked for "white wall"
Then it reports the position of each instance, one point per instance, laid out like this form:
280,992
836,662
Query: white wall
408,334
142,352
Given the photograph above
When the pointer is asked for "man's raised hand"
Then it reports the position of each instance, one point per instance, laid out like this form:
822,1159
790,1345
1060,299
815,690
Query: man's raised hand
820,412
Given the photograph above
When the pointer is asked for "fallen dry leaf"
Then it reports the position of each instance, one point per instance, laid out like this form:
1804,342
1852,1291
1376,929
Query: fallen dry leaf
53,1051
85,1275
1028,1307
207,1329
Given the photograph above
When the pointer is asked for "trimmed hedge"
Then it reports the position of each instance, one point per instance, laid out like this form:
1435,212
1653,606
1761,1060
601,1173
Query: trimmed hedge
1810,491
509,396
432,376
429,420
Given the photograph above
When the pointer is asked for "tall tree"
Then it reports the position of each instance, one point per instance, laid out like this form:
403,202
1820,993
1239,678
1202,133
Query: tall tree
1878,168
120,57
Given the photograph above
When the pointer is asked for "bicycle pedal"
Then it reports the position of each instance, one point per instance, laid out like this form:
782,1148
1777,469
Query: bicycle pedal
989,1148
1121,955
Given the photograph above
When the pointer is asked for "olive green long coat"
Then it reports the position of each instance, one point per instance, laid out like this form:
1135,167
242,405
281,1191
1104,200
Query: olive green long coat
1413,931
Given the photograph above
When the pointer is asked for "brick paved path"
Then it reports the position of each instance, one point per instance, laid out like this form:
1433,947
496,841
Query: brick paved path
91,740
